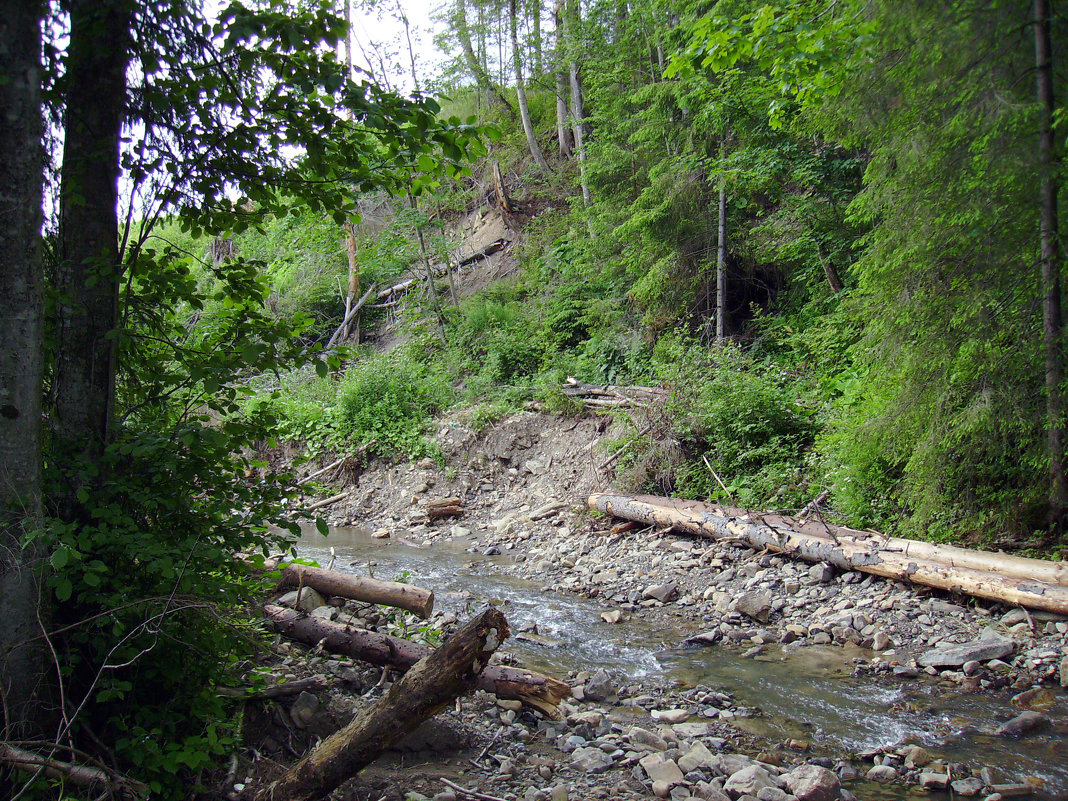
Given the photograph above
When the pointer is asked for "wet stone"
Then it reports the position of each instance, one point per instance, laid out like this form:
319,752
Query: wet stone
1021,724
967,787
813,783
748,781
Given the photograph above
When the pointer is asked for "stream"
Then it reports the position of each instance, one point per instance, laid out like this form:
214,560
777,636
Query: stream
806,694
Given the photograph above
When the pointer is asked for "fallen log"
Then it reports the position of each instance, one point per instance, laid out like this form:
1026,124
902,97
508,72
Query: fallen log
1032,583
346,585
543,693
444,507
431,684
327,501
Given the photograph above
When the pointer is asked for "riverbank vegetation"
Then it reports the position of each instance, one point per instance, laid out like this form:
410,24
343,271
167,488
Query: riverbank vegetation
830,229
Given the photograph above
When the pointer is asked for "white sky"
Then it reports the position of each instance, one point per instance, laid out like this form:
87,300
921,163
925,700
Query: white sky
378,38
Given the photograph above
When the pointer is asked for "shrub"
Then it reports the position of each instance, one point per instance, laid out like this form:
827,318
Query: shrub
390,398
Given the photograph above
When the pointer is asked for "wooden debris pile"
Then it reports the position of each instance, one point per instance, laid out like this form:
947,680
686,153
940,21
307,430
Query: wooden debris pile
595,396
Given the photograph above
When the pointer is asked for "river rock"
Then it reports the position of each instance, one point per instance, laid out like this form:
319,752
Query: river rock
558,792
309,599
1021,724
917,757
881,773
303,709
947,655
710,792
670,716
881,641
659,769
748,781
612,616
600,687
756,605
813,783
967,787
1064,672
697,757
646,739
822,572
591,760
934,781
661,592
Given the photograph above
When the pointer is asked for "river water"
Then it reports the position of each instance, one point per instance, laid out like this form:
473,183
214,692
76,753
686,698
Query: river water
806,694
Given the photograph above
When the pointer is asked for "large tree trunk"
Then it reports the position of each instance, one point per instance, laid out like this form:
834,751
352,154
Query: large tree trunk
1051,264
524,109
482,78
426,689
23,664
1027,582
533,689
83,384
417,600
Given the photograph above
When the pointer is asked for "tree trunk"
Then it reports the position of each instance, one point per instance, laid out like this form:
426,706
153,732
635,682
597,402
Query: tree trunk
563,131
524,109
426,689
539,65
345,585
87,280
1051,264
578,113
533,689
482,78
354,283
721,257
23,659
828,270
1027,582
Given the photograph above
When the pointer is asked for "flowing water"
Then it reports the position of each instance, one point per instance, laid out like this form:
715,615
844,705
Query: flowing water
806,694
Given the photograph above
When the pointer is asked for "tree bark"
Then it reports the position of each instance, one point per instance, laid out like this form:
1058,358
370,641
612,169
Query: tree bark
1027,582
83,383
833,278
426,689
482,78
417,600
563,131
524,109
23,664
1052,334
533,689
578,112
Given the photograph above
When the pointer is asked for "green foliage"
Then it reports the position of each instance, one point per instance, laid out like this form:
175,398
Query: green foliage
390,399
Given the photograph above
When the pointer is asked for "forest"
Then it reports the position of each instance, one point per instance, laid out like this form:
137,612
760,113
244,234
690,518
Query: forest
829,232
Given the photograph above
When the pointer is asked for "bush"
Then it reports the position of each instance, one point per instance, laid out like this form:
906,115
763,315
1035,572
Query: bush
389,399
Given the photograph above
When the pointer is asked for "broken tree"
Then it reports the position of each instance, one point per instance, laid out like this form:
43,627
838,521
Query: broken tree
533,689
430,685
1033,583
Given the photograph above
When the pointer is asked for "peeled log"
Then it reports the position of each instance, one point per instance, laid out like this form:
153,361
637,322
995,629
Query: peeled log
388,593
1026,582
431,684
533,689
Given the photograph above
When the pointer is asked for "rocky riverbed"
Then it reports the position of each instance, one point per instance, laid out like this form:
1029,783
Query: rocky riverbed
670,729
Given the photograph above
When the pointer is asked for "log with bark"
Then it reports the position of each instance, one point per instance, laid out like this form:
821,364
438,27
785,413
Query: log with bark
1033,583
346,585
431,685
535,690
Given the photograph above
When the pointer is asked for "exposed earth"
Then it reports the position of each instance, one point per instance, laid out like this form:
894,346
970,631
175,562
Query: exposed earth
522,483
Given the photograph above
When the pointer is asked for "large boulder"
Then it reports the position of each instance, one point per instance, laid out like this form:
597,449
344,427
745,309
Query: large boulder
756,605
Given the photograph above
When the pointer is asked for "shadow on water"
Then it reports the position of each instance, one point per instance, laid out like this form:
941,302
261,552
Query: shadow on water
807,693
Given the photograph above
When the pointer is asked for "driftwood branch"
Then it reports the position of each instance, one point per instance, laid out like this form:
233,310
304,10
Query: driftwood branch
613,396
1033,583
80,775
430,685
